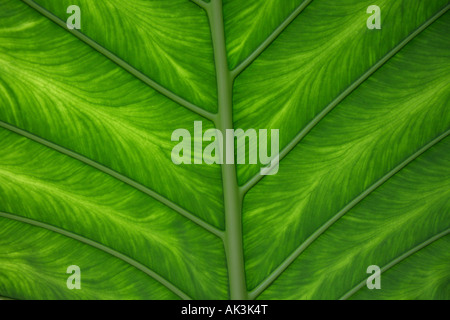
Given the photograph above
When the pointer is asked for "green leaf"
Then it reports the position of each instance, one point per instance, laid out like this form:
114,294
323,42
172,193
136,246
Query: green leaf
169,41
335,163
43,256
86,176
423,276
404,212
259,19
79,100
321,54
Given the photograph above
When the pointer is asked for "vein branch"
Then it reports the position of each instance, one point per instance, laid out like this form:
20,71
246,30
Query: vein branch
300,249
123,64
101,247
397,261
249,60
305,131
116,175
201,3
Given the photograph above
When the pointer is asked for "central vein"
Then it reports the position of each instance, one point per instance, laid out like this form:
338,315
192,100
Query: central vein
232,197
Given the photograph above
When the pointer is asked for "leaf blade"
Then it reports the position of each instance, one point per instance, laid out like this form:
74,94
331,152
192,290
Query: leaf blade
375,232
51,254
333,156
89,105
317,65
63,192
170,41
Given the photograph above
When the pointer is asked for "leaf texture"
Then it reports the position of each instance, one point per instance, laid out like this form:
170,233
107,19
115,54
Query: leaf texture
169,41
86,176
258,18
423,276
321,53
83,102
41,184
380,132
376,231
37,259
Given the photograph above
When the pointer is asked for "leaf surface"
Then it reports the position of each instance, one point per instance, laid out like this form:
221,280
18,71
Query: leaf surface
86,176
169,41
43,256
380,132
59,89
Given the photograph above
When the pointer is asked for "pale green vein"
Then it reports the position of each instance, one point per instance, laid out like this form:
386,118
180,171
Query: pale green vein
304,132
288,261
118,176
101,247
123,64
397,260
244,64
201,3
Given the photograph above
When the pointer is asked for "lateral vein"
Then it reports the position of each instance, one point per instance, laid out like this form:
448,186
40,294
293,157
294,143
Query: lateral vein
101,247
300,249
116,175
305,131
252,57
397,261
123,64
